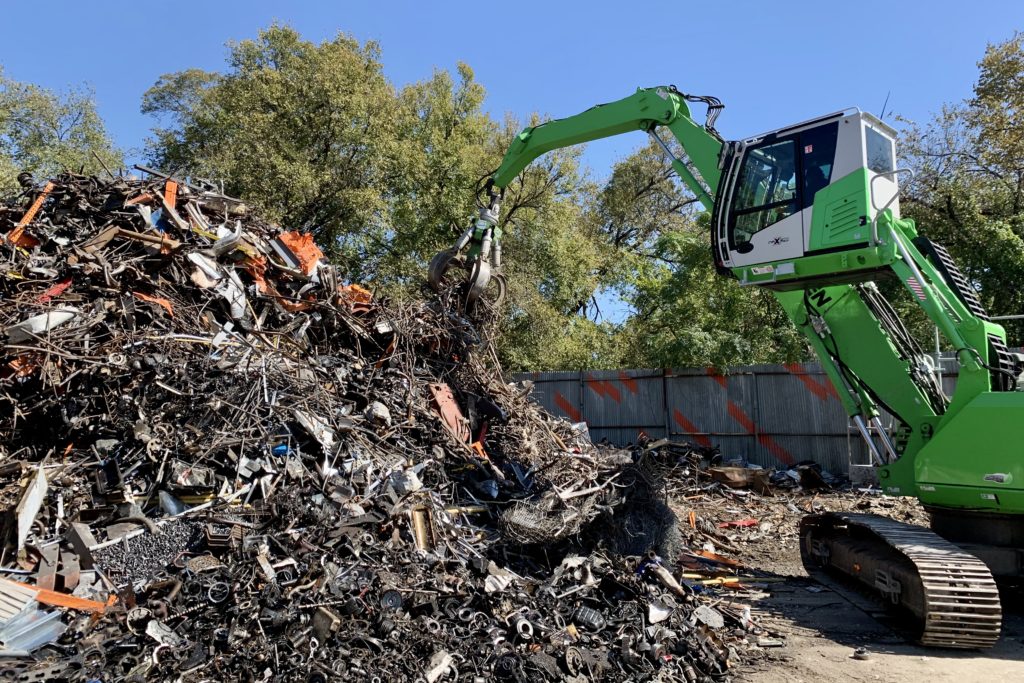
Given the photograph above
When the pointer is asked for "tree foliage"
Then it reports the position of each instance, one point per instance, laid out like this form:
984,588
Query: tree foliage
316,135
320,139
683,312
688,315
968,193
307,131
45,133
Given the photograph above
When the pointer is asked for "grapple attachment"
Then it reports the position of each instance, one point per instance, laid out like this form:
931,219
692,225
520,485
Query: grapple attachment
481,242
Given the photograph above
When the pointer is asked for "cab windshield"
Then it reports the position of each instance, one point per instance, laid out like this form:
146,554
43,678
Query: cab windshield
767,189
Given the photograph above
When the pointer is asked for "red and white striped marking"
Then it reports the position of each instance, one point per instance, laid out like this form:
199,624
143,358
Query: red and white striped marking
916,287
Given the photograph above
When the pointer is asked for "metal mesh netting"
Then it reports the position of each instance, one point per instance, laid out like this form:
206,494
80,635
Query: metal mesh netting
547,519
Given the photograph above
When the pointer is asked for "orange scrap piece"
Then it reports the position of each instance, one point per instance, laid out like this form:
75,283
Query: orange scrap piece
304,248
478,445
718,558
287,304
447,408
171,193
356,293
157,300
143,198
257,267
738,523
358,298
22,366
56,290
18,236
293,306
56,599
387,354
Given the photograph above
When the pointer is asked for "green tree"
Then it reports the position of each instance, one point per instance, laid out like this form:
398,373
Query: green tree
688,315
554,254
46,133
317,137
684,313
306,131
968,193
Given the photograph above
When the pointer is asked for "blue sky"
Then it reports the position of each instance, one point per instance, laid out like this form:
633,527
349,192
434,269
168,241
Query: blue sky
772,62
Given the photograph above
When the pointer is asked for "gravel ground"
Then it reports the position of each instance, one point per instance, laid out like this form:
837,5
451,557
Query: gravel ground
822,627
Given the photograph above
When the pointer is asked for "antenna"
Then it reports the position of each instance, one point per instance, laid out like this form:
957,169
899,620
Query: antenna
881,117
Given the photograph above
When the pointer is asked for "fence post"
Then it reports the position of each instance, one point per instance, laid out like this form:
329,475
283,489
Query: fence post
583,399
664,403
756,409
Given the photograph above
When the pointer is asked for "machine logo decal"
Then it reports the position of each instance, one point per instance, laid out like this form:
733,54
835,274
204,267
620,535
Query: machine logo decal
819,296
778,240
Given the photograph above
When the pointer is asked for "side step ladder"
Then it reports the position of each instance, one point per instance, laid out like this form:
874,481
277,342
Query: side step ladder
951,273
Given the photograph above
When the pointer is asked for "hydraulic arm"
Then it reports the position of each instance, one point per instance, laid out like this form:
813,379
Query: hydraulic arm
647,110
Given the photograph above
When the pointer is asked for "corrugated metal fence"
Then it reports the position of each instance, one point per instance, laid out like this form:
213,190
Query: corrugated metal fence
772,415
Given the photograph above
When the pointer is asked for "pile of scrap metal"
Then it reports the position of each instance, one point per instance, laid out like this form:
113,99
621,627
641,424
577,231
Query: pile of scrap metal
219,461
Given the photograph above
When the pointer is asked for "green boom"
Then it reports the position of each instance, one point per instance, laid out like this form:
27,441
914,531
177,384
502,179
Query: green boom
644,111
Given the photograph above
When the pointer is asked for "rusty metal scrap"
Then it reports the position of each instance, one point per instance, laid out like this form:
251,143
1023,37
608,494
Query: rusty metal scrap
260,472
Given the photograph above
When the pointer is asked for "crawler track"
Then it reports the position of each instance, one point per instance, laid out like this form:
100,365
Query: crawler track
950,592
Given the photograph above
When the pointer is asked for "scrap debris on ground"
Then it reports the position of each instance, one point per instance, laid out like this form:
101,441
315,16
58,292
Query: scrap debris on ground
218,460
240,467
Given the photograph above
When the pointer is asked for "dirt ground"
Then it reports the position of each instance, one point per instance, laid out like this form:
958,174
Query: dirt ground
822,626
823,629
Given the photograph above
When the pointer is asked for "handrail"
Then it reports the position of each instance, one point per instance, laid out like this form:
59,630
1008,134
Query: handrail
878,211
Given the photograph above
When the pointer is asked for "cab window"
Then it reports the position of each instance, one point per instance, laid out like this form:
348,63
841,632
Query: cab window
818,153
880,158
766,191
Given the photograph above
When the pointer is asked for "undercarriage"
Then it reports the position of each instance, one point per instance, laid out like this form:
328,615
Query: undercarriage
949,592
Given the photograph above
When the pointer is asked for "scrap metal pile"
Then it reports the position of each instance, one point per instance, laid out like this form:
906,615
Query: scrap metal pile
217,461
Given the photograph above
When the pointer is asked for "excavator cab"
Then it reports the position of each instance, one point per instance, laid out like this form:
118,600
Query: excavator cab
809,190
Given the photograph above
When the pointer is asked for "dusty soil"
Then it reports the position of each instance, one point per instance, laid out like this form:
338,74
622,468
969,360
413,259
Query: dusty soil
821,626
823,629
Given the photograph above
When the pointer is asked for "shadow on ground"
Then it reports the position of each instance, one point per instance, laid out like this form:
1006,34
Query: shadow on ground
822,628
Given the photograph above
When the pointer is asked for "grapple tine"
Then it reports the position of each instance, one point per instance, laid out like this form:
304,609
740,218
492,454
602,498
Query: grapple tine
438,268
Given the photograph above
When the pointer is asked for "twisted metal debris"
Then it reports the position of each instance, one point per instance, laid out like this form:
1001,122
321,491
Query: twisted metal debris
244,469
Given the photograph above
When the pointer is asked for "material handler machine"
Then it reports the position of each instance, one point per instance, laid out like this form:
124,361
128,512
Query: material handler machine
811,212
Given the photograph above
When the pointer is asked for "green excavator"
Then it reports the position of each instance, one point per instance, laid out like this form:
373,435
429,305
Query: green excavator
811,212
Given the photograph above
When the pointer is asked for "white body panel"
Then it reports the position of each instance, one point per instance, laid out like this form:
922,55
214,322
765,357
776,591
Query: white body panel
784,239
